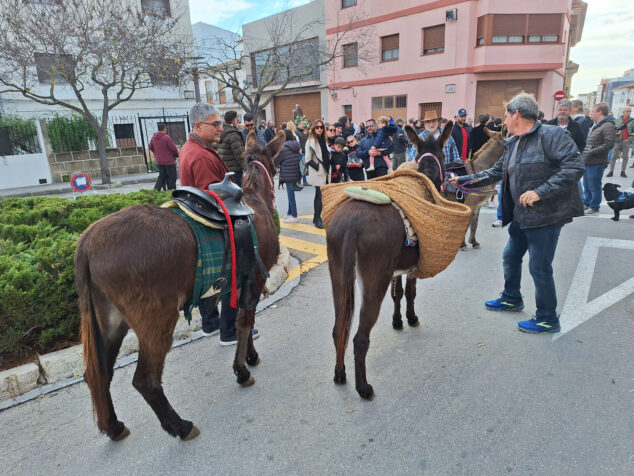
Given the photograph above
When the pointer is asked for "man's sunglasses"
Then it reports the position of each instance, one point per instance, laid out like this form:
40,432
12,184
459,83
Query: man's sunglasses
216,124
248,125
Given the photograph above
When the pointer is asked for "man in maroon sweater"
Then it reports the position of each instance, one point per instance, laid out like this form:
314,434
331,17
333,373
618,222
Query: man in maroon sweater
165,152
200,165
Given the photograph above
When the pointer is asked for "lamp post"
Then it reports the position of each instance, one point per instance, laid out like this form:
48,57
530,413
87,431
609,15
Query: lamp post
195,75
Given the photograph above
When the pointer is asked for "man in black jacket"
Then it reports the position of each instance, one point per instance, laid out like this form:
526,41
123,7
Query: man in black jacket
478,136
460,133
566,122
540,169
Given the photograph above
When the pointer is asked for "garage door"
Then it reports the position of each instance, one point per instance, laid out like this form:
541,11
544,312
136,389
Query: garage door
491,95
310,103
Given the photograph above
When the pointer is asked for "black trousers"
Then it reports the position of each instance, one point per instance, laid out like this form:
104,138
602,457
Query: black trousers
166,178
317,205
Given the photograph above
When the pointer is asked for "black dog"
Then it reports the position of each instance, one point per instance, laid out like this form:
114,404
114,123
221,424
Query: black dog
617,200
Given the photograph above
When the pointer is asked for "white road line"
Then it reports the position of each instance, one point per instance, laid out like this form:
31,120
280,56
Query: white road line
577,309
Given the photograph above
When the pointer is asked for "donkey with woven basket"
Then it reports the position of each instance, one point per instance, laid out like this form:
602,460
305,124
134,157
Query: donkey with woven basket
356,229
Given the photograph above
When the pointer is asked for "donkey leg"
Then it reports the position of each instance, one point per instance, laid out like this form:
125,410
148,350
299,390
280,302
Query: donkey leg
147,380
244,324
473,226
374,288
396,290
410,296
113,330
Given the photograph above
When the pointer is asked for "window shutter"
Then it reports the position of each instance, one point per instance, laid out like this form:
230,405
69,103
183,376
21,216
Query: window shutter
389,42
507,25
544,24
434,37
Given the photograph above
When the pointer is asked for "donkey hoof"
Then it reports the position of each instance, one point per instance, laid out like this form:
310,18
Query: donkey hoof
413,322
253,361
250,381
366,392
476,246
192,434
123,434
397,325
340,379
464,247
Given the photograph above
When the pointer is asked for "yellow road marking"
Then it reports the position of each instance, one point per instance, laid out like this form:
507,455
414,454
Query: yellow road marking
316,249
303,228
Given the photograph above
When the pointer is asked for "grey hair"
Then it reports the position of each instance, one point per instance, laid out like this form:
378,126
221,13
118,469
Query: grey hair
578,103
525,104
201,111
565,103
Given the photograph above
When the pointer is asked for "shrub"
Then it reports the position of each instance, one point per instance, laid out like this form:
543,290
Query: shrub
71,133
38,301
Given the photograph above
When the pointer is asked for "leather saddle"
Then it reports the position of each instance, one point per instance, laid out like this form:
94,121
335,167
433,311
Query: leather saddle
206,206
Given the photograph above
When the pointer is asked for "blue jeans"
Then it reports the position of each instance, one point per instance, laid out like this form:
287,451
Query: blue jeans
500,201
541,244
592,185
212,318
292,205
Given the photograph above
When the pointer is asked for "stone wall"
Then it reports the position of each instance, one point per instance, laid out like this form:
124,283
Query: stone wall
122,161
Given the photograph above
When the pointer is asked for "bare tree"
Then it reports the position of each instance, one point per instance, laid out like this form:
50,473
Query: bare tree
290,53
77,53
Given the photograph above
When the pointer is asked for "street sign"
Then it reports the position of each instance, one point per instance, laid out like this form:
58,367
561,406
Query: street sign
80,182
559,95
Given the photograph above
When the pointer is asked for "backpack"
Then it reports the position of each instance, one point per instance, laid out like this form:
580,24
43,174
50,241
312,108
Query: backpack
303,166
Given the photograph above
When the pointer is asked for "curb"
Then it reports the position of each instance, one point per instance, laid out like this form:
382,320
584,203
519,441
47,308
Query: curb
63,368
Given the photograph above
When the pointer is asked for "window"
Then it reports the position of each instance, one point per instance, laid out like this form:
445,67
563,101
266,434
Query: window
388,102
348,3
347,110
296,61
156,8
350,55
401,101
53,68
389,48
209,91
529,29
389,106
377,103
222,97
434,39
165,75
124,135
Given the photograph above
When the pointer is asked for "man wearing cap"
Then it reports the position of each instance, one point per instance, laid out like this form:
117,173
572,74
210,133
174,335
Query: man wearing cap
400,144
461,132
452,158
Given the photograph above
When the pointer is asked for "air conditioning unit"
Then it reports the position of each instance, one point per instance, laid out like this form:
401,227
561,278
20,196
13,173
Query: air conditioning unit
451,15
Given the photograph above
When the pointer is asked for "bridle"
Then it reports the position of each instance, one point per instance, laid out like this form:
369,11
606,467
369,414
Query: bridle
267,176
429,154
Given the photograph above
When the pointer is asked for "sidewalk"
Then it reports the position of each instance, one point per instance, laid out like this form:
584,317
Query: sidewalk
58,188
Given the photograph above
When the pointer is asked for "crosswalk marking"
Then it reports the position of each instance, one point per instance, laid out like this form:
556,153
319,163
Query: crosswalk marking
309,247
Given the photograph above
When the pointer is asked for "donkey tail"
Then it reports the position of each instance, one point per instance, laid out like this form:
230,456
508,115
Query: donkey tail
96,374
346,304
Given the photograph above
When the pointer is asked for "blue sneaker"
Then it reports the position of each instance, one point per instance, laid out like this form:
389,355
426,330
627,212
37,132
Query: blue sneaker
500,304
537,326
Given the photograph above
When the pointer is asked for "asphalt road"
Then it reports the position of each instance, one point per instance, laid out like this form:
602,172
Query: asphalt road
465,393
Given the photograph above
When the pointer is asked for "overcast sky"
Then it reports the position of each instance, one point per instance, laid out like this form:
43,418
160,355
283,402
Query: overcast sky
606,48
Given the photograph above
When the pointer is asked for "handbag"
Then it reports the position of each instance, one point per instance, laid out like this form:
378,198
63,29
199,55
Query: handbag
312,162
303,165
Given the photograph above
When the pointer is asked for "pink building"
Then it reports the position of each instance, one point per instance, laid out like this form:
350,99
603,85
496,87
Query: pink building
444,55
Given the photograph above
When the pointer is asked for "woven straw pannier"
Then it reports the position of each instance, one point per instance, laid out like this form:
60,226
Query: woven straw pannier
439,224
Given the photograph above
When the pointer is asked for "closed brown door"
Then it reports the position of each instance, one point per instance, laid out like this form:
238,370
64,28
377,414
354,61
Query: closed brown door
310,103
491,95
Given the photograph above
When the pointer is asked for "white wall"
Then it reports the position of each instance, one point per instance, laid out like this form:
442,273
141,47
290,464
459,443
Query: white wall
23,170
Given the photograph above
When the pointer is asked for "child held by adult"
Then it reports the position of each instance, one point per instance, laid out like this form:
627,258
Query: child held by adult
382,141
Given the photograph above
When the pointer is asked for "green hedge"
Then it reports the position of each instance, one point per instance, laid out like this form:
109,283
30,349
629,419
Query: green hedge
38,302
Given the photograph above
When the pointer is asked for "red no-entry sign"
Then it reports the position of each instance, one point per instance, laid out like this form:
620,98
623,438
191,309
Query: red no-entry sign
559,95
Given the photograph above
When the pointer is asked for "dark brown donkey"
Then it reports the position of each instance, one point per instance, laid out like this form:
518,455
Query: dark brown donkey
135,269
375,254
482,160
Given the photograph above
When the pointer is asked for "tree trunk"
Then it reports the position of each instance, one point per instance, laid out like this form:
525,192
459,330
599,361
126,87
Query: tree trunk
103,162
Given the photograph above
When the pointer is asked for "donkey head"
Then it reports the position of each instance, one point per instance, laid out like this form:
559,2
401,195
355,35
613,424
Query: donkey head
263,153
429,153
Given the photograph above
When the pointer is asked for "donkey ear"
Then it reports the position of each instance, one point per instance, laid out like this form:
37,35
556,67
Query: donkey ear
446,132
276,143
412,135
252,139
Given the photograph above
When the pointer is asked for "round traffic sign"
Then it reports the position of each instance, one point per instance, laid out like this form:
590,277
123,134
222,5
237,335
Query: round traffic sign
80,182
560,95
